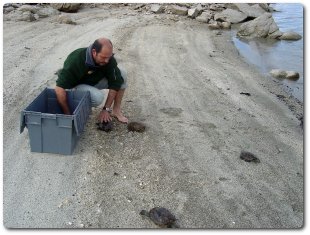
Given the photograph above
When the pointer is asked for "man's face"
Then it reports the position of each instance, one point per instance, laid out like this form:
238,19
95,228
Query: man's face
103,57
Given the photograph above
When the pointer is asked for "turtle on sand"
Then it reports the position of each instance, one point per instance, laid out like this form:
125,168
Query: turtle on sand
105,126
136,126
249,157
161,217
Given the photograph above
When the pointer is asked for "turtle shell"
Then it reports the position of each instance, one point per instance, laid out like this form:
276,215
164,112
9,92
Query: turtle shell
136,126
105,126
249,157
162,217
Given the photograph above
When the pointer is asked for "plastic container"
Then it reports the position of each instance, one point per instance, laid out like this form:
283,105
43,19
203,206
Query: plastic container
51,131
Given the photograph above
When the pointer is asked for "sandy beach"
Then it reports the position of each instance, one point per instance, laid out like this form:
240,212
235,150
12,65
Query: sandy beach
184,83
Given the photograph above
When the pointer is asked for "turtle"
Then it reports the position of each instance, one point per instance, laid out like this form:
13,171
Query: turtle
161,217
249,157
105,126
136,126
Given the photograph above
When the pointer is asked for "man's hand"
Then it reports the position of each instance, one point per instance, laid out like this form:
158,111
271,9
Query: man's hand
104,116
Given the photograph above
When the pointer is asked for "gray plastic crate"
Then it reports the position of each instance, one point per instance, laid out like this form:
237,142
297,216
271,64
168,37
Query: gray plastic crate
51,131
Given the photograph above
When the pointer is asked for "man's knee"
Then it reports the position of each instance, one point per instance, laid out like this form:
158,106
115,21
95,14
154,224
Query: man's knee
97,99
96,95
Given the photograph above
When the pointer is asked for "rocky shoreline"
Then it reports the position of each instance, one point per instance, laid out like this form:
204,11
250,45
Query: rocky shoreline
256,19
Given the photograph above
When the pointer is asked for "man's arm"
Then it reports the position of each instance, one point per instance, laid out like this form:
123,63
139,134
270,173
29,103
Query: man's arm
104,115
61,95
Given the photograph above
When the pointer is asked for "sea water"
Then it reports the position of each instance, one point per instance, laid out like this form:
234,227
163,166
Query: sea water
269,54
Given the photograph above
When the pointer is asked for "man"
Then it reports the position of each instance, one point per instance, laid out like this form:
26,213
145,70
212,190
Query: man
93,69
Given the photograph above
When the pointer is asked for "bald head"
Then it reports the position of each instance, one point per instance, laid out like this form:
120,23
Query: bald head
102,51
100,43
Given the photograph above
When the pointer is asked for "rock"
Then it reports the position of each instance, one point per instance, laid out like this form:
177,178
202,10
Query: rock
46,12
205,17
187,5
278,73
193,13
231,6
290,36
217,7
138,6
226,25
260,27
156,8
215,25
177,10
16,5
24,16
7,10
292,75
66,7
30,8
64,19
266,7
250,11
275,35
230,15
199,8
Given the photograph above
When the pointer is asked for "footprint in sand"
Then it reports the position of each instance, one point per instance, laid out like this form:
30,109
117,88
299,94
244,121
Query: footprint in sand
172,112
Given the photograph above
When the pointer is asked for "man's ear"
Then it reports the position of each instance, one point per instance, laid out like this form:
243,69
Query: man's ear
93,51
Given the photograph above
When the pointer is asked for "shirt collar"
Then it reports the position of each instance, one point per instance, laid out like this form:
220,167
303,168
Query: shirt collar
89,58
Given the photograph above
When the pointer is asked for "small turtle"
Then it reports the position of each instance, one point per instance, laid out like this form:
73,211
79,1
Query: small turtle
161,217
105,126
245,93
136,126
249,157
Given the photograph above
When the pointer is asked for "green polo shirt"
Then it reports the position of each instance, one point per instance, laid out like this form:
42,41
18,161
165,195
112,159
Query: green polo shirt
77,71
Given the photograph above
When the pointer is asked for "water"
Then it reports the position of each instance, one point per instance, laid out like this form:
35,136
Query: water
279,54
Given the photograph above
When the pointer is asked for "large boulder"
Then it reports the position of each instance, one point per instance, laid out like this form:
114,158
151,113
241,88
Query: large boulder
266,7
65,19
230,15
217,7
278,73
7,10
30,8
193,13
46,12
156,8
292,75
251,11
281,74
205,16
261,27
290,36
177,10
66,7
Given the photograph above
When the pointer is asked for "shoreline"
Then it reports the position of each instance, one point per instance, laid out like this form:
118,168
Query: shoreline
185,85
269,83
